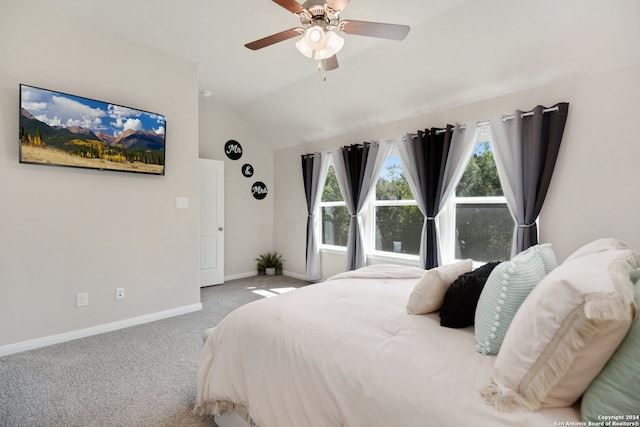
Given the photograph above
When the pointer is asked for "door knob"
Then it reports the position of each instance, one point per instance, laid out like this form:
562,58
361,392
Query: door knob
220,228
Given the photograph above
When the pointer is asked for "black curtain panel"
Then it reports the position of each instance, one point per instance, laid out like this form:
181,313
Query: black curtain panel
541,137
313,180
357,168
438,145
430,151
353,159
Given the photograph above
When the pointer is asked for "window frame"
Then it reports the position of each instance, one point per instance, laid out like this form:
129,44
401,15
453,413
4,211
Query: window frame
323,246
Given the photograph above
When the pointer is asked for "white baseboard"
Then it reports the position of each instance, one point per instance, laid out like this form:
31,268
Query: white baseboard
95,330
240,275
295,275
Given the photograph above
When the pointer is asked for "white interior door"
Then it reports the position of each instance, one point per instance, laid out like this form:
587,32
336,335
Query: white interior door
211,222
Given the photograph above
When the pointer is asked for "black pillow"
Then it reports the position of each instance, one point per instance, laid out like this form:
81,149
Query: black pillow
461,299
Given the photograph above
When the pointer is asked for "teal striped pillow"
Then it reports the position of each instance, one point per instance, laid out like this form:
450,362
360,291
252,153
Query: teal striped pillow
507,287
546,253
616,389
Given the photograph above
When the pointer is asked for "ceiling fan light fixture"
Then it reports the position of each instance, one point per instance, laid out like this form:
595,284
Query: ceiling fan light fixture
304,48
315,37
319,19
334,43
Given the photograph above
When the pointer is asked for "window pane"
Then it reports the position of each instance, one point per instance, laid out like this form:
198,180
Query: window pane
392,183
331,191
480,178
398,229
483,232
335,225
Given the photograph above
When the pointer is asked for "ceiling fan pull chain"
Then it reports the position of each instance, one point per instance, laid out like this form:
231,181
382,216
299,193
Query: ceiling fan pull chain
322,66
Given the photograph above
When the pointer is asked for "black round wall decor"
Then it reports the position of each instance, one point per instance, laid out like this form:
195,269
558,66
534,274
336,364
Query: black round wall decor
233,149
259,190
247,170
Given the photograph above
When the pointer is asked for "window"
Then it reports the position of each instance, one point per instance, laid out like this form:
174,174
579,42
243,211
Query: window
483,224
396,217
392,221
334,213
475,224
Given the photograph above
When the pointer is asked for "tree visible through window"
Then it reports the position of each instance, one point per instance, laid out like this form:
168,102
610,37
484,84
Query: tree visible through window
477,218
398,220
335,216
484,226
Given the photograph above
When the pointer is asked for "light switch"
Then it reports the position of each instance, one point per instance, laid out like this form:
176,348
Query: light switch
182,202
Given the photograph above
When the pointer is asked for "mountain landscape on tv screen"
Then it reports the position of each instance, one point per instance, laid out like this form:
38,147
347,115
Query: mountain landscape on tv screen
139,150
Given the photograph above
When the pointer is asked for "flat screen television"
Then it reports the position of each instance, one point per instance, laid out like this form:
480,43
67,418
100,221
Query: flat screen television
59,129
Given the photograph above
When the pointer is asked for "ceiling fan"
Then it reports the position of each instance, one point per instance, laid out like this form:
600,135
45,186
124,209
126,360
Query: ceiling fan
320,19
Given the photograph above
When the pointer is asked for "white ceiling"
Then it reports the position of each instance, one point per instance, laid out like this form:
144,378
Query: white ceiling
457,51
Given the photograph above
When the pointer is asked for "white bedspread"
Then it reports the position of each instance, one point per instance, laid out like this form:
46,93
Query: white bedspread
346,353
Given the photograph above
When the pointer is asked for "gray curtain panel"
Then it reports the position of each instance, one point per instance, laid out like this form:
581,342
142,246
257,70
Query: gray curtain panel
526,147
414,173
357,168
314,174
434,161
463,144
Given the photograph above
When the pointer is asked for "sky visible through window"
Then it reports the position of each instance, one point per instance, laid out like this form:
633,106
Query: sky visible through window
394,160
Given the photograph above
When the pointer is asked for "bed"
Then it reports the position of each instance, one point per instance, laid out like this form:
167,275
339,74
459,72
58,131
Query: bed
346,353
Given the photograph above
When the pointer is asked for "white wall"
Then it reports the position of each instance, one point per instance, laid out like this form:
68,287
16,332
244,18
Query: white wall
65,230
248,221
593,192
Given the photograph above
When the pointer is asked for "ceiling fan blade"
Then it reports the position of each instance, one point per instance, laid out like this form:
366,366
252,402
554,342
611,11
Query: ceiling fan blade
374,29
274,38
331,63
337,5
291,5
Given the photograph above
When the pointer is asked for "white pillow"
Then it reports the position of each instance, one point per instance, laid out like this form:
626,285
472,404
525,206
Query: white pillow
564,333
599,245
428,294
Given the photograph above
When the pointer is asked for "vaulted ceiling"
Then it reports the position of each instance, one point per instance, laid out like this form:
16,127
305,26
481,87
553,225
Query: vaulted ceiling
457,51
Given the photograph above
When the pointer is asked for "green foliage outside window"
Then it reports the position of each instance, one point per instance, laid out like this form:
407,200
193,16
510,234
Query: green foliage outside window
483,231
335,219
398,228
393,184
480,178
331,192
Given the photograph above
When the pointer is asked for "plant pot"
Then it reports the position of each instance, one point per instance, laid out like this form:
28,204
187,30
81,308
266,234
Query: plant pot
278,272
270,271
261,272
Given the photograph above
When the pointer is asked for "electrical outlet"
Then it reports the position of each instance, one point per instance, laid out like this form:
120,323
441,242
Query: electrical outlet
182,202
119,293
82,299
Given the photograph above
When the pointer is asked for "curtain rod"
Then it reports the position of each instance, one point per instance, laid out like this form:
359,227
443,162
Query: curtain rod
523,115
504,119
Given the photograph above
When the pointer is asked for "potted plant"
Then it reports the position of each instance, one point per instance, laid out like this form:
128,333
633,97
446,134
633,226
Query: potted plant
269,263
